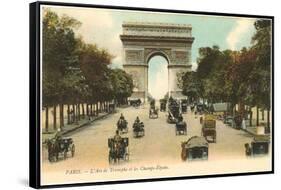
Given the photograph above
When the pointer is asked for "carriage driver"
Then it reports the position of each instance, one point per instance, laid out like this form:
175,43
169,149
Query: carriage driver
122,117
58,134
180,118
137,119
117,138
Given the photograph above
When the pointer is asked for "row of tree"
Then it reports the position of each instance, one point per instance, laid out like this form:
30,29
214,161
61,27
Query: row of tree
239,77
76,73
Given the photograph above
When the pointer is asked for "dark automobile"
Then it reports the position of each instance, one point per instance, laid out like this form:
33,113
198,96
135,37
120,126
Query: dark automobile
181,128
259,146
196,148
118,150
60,147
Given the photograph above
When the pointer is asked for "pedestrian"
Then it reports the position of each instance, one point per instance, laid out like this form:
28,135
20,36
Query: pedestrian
243,124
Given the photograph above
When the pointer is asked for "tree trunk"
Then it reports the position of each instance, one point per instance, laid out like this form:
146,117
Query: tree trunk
47,119
78,109
268,116
83,111
87,109
61,115
91,109
257,116
55,117
262,114
74,113
68,114
251,116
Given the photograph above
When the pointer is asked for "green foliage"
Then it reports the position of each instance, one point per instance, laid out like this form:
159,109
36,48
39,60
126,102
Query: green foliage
75,72
191,85
59,45
234,76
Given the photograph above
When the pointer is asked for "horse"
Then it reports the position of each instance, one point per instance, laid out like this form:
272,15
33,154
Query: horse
183,151
248,149
121,125
53,150
117,151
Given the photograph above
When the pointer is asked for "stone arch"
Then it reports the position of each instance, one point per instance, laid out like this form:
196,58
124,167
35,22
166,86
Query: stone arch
156,53
142,41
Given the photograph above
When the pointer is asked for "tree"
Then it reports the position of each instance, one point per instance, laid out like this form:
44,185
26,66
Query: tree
262,45
59,44
94,66
191,86
122,85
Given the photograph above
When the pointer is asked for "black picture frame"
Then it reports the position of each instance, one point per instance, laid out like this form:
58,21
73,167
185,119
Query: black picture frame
34,92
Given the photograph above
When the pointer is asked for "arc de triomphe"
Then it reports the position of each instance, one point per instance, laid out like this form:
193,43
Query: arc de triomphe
142,41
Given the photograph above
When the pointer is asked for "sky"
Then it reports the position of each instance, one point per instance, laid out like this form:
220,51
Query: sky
103,27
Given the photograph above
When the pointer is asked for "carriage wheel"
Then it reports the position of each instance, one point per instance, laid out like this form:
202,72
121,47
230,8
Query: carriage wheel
56,157
50,157
126,157
65,154
72,150
110,159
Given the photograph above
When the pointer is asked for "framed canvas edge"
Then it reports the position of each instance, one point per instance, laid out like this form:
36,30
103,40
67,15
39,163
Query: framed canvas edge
34,95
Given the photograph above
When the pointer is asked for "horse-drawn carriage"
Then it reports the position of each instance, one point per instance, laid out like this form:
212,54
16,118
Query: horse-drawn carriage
135,102
122,126
60,147
173,113
138,129
153,113
209,128
163,103
196,148
118,150
181,128
259,146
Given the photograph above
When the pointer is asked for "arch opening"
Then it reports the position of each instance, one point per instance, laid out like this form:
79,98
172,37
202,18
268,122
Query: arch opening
157,76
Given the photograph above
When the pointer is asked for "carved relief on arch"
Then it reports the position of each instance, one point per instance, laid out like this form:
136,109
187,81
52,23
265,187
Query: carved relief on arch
148,52
134,56
180,57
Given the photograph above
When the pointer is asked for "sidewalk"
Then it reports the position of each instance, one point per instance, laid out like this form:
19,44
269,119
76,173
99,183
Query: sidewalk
72,127
253,130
